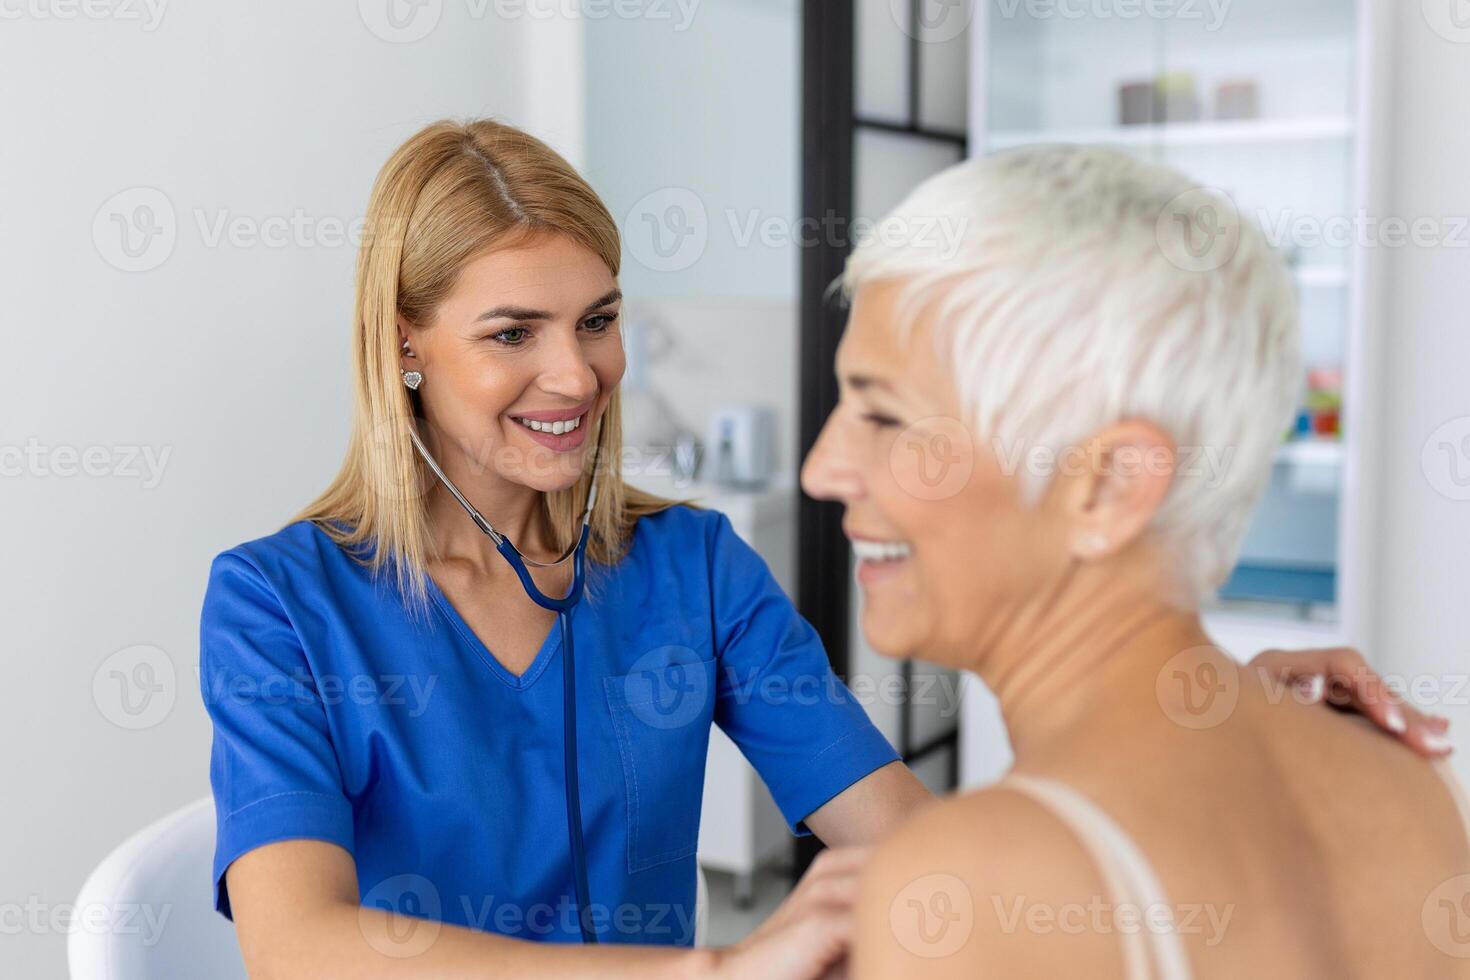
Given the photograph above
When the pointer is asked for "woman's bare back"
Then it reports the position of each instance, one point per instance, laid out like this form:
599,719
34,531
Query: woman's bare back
1288,841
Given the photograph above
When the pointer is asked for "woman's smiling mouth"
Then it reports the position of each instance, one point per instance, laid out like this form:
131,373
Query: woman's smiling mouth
560,430
555,428
879,560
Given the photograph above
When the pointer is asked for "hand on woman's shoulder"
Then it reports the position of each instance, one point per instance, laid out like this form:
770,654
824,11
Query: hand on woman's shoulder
986,883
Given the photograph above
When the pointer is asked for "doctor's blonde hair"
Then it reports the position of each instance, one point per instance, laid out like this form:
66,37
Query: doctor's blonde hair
450,193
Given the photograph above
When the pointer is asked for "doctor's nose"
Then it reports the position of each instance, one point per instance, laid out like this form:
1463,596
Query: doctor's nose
567,372
828,473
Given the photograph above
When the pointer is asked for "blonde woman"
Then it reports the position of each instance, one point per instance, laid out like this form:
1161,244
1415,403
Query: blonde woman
1170,814
388,765
411,779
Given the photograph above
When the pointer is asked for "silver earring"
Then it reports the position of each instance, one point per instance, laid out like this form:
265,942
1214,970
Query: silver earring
412,379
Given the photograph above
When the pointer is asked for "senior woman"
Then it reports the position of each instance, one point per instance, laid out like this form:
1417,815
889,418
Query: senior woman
410,778
1170,814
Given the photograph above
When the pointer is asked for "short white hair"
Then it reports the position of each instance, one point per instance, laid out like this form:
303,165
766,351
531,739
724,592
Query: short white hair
1068,297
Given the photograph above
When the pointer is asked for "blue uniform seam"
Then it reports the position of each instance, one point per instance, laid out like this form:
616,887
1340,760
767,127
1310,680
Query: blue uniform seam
630,773
275,796
799,776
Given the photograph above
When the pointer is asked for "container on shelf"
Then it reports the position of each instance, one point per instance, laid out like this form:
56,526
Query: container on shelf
1178,98
1237,100
1136,103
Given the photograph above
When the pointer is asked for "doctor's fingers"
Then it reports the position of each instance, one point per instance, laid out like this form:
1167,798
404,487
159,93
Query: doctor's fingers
837,891
805,948
838,860
820,897
821,943
832,875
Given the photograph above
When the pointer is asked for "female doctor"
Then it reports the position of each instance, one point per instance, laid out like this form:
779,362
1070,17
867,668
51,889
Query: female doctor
401,788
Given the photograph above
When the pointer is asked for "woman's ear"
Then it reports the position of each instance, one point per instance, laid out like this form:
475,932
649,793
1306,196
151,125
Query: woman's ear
1110,486
407,358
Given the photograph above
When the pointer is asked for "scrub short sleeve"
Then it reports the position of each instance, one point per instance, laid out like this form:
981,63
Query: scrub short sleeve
273,768
778,698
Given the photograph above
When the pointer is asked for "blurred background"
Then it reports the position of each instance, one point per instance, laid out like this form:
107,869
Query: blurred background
182,187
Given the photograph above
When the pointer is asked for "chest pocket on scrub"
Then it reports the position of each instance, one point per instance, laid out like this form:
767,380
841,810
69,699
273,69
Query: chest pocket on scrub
661,713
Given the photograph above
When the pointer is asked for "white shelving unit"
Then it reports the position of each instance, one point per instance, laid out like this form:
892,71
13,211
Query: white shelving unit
1237,132
1311,452
1310,153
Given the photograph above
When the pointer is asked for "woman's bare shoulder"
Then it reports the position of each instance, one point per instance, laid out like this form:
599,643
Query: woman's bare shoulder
987,880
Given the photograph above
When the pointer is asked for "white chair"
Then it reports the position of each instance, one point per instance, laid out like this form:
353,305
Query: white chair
163,870
147,911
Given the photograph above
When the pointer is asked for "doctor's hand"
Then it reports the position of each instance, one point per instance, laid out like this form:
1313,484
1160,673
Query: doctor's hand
809,935
1341,677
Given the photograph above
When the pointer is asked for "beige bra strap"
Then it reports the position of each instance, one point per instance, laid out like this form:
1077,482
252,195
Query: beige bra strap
1127,876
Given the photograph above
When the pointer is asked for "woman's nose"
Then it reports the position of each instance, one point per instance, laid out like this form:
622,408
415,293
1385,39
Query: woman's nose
566,370
828,473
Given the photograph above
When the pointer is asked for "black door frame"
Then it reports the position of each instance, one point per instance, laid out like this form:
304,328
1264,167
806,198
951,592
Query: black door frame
826,190
829,125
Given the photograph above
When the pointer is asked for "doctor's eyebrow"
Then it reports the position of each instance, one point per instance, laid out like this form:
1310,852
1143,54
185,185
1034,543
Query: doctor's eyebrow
526,313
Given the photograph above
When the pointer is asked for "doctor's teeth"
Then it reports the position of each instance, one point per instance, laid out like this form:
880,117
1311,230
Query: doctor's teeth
880,550
555,428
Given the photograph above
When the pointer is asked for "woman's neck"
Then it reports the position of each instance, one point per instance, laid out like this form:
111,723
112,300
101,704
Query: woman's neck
513,509
1088,651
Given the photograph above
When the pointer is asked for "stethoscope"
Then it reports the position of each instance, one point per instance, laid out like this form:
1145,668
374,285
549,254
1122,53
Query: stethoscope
562,607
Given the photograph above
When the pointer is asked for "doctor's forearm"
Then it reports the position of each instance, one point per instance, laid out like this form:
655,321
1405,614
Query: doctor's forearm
298,916
865,811
345,940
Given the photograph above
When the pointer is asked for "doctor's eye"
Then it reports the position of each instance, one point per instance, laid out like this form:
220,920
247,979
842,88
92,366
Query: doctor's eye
600,323
511,336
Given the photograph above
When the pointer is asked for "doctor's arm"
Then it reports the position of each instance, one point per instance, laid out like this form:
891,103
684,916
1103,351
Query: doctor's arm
297,915
865,811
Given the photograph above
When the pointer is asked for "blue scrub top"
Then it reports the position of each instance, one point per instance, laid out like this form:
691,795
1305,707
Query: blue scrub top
339,717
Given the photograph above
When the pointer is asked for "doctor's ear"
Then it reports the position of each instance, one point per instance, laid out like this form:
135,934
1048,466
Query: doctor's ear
1109,487
404,349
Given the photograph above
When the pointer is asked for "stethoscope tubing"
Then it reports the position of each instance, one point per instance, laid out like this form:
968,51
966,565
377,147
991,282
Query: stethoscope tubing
563,607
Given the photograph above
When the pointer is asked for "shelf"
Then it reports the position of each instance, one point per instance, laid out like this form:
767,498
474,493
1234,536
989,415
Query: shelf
1321,275
1245,629
1210,133
1311,452
1290,585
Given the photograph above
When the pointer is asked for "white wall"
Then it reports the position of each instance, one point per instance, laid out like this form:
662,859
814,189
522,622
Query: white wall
1423,540
692,138
231,359
693,122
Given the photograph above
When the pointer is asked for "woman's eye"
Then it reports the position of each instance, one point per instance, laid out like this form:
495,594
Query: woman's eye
881,421
511,335
601,322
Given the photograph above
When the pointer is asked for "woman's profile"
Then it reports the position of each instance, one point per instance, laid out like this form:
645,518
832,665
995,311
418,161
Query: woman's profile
1171,813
